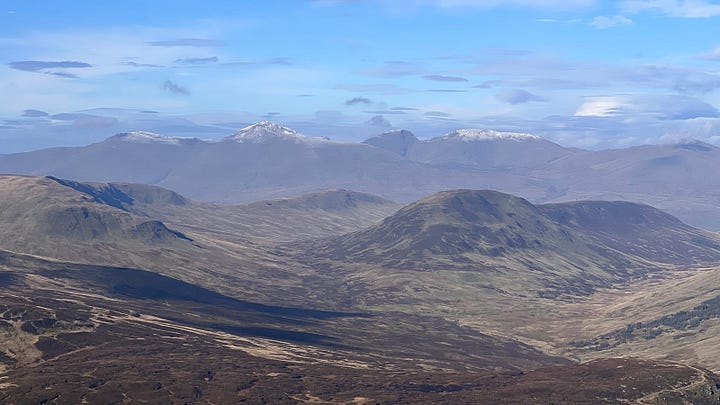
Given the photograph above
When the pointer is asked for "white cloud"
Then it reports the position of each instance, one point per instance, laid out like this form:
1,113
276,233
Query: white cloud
480,4
675,8
642,106
713,54
605,22
601,107
557,4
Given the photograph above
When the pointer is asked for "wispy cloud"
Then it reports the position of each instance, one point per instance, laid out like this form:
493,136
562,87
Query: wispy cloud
379,121
477,4
713,54
605,22
553,4
141,65
437,114
488,84
553,73
34,113
393,69
446,91
674,8
280,60
189,42
276,61
382,89
440,78
197,61
175,88
358,100
518,96
49,67
386,112
404,109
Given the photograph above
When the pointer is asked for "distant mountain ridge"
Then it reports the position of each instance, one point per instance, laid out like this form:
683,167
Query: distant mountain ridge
329,212
267,160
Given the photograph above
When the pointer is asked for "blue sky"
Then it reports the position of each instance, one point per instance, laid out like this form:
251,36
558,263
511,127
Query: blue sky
585,73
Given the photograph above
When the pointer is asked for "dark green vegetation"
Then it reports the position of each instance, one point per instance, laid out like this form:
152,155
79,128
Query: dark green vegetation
679,321
124,293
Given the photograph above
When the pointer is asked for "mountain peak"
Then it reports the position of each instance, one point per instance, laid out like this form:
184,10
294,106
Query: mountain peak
398,141
694,145
397,132
474,134
148,137
263,131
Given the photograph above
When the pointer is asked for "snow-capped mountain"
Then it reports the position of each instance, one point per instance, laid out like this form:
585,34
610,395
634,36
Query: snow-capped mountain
150,137
266,131
267,160
475,148
472,134
263,160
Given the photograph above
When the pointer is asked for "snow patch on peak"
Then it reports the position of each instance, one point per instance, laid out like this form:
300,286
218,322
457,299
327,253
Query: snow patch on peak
396,131
149,137
266,131
487,135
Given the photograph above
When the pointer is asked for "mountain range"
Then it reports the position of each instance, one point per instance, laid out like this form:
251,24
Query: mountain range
266,160
269,266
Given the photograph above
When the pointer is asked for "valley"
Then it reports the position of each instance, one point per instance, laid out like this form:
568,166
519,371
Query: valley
458,289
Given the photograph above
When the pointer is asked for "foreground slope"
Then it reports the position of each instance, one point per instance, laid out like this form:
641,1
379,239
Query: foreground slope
91,224
93,334
426,306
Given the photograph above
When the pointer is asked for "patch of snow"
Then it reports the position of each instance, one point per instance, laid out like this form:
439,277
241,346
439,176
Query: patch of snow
487,135
149,137
265,131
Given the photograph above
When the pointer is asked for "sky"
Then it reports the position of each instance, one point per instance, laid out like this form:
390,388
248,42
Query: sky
584,73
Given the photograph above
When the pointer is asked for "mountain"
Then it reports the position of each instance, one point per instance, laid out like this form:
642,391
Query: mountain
584,243
498,263
137,157
104,224
474,149
326,213
267,160
671,177
397,141
584,280
269,132
637,230
261,161
37,212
